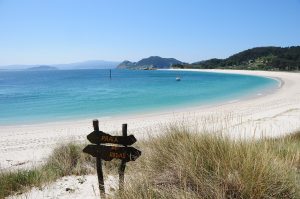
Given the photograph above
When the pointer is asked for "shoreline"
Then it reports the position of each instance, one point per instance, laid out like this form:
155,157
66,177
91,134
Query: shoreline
183,107
270,114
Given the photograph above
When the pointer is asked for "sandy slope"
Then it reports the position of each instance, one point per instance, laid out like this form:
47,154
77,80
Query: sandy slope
71,187
270,114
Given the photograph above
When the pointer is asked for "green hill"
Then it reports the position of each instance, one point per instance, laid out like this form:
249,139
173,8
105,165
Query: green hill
260,58
150,62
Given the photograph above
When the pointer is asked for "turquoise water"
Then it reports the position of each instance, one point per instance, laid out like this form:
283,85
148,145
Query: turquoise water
42,96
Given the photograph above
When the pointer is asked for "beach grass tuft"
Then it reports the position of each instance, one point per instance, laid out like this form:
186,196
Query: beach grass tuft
68,160
65,160
19,181
183,164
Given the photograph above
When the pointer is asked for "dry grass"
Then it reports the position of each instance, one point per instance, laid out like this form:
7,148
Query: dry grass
69,160
180,164
188,165
65,160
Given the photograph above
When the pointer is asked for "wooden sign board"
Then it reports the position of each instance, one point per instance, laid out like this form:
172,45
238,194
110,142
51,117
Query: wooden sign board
113,152
108,153
99,137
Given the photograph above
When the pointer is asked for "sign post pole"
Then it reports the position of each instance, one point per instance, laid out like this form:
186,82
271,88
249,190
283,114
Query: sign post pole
101,151
99,165
123,163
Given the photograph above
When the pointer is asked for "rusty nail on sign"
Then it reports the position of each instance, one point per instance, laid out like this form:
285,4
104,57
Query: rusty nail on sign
107,153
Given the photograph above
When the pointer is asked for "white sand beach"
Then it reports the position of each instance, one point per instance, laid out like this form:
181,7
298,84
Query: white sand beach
268,114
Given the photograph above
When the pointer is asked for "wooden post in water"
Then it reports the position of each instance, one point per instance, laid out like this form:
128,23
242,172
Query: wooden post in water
99,165
110,73
123,163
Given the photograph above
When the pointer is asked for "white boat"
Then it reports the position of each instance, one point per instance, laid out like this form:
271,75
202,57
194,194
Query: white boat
178,78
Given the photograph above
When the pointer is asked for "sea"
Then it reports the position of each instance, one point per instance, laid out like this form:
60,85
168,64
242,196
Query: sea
28,97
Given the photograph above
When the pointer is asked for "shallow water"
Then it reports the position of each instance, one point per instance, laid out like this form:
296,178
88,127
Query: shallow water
42,96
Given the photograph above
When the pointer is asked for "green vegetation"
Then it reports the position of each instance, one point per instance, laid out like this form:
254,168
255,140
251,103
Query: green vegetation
65,160
153,62
188,165
18,181
261,58
181,164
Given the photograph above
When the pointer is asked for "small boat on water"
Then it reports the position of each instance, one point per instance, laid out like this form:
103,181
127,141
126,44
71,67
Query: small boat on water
178,78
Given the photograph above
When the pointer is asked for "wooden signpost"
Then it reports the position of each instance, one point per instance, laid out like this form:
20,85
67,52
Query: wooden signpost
102,138
107,153
110,152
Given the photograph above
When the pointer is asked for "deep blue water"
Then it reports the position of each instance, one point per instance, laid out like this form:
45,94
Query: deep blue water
41,96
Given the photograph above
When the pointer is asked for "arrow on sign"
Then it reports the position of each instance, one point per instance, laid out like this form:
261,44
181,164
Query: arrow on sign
98,137
110,152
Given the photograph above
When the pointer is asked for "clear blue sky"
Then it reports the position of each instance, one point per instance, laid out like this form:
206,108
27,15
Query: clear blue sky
64,31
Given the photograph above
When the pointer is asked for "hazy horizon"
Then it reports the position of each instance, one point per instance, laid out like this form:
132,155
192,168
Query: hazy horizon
54,64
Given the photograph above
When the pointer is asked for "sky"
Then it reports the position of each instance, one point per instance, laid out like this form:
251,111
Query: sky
66,31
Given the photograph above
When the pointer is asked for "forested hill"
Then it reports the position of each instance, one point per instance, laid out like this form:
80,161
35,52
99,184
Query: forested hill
153,62
261,58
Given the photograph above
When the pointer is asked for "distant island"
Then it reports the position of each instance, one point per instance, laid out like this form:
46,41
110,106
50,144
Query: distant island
90,64
260,58
39,68
153,62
